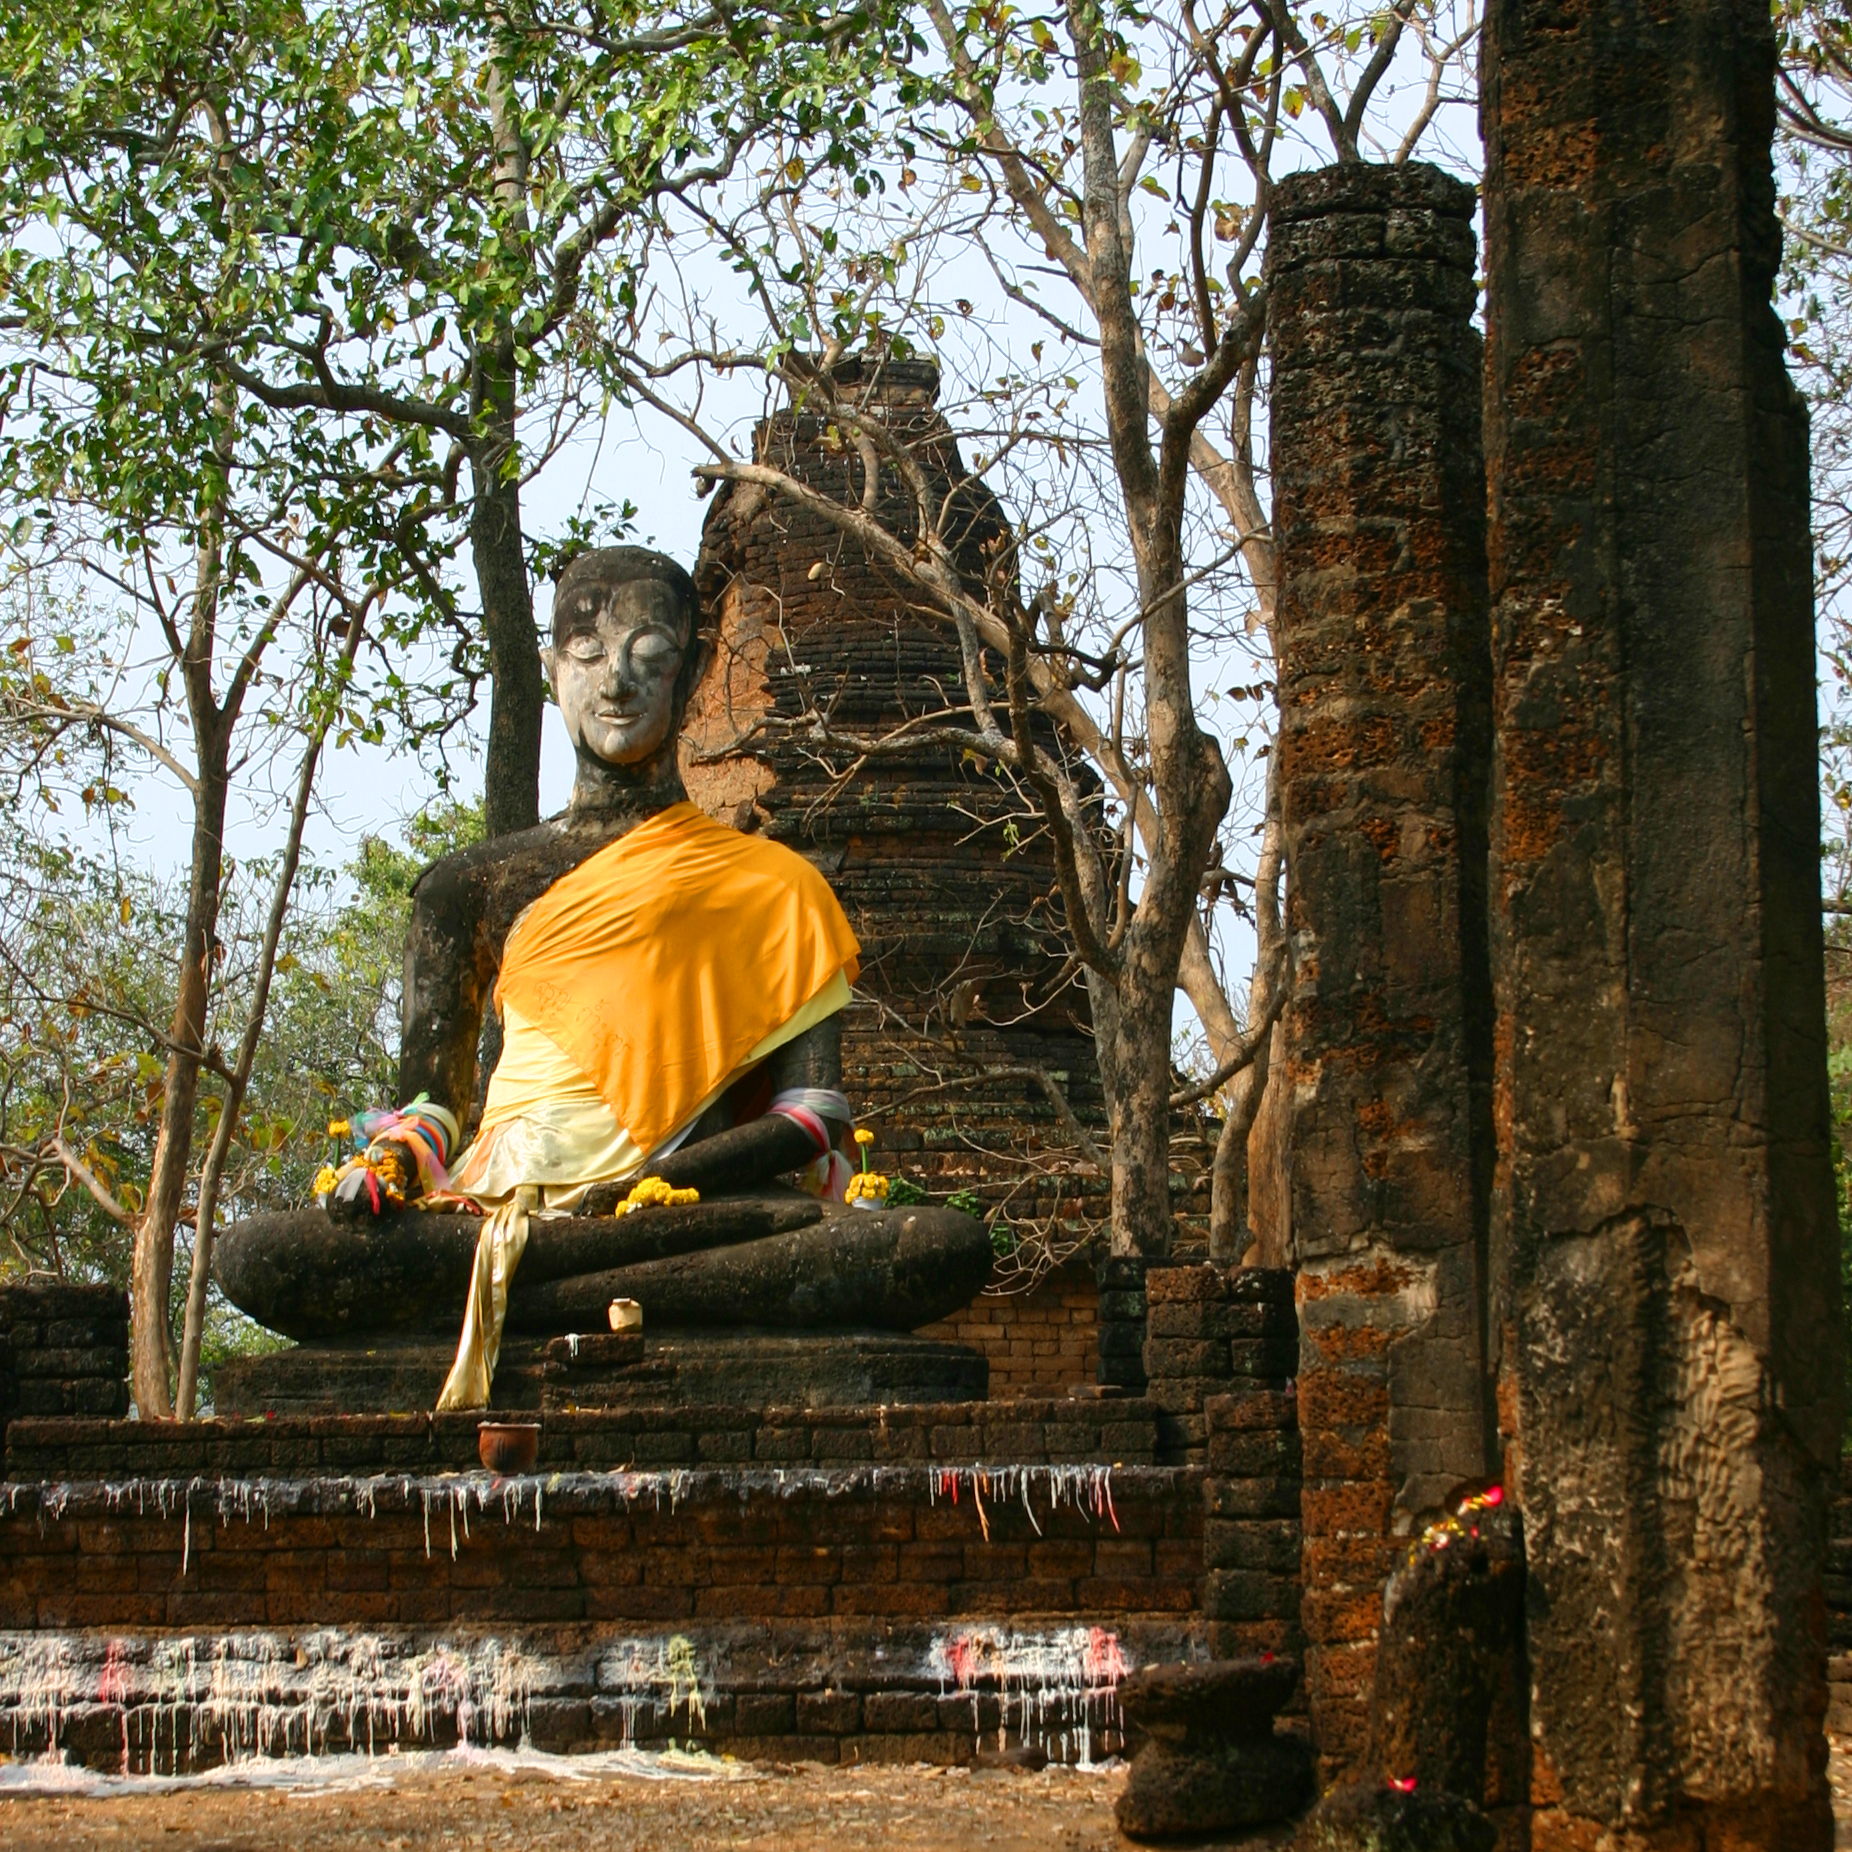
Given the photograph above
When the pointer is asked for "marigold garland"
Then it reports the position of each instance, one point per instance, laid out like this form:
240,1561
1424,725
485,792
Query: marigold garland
653,1193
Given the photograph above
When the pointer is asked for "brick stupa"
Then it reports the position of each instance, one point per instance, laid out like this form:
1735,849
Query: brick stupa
947,877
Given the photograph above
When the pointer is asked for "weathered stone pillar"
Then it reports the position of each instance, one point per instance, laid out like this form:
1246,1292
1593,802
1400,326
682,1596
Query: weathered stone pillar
1665,1265
1384,676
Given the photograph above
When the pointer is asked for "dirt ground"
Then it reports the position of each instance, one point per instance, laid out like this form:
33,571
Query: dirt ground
482,1807
424,1804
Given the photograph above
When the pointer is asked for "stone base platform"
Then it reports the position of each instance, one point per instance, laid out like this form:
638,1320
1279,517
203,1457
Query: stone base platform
825,1583
824,1369
910,1582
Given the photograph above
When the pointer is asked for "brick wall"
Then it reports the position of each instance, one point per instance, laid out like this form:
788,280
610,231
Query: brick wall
874,1544
64,1350
1031,1431
1251,1527
1213,1330
1040,1343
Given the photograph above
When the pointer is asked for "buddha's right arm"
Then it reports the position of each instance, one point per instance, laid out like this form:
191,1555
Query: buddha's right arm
447,978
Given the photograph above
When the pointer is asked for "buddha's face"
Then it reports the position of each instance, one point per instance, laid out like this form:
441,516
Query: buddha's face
614,665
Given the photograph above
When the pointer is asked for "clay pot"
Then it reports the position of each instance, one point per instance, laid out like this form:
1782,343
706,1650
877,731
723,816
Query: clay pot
508,1447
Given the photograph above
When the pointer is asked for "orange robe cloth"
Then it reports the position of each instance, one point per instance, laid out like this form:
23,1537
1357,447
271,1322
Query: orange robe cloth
658,964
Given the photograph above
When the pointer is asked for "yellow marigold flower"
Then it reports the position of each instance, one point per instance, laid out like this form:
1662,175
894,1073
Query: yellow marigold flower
652,1192
863,1136
866,1186
338,1128
324,1180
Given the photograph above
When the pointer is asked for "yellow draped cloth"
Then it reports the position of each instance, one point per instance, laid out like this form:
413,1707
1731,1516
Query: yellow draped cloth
633,993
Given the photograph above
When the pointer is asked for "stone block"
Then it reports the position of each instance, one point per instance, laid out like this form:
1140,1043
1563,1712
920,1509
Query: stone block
767,1713
1186,1358
1250,1498
101,1397
1369,1817
1271,1544
1197,1284
48,1398
1174,1792
898,1712
1249,1594
1180,1437
1267,1359
829,1713
1252,1452
1183,1319
1238,1639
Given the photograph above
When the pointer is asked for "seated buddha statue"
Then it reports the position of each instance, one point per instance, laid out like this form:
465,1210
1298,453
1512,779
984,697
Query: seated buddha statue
669,993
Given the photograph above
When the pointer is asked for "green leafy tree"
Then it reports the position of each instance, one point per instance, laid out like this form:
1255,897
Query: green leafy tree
85,988
437,212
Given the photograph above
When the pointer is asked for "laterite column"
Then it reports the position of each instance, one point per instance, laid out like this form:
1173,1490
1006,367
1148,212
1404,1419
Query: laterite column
1384,693
1665,1252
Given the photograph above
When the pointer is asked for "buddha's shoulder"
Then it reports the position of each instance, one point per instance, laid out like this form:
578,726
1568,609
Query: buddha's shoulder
768,859
520,861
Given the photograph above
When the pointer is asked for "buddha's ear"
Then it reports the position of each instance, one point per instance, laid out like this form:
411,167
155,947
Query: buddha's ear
697,659
546,669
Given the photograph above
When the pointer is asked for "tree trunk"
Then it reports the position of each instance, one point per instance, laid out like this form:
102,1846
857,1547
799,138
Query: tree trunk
1231,1224
152,1269
511,777
1134,1049
213,1171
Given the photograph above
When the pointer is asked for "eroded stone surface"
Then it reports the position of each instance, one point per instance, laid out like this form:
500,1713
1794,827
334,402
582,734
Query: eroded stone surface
1665,1254
1450,1662
1182,1794
1206,1758
1360,1817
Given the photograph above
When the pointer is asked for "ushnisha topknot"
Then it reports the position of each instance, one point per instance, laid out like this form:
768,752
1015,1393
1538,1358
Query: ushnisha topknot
587,574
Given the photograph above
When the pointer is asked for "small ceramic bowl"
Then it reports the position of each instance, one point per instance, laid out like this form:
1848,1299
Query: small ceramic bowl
508,1447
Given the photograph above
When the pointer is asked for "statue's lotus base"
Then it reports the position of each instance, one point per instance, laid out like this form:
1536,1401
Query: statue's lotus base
802,1369
773,1261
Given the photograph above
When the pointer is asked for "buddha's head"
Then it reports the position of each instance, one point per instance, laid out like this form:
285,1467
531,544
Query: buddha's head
626,654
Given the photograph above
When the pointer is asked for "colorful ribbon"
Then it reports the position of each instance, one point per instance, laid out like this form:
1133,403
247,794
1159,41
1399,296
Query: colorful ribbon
427,1130
815,1109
